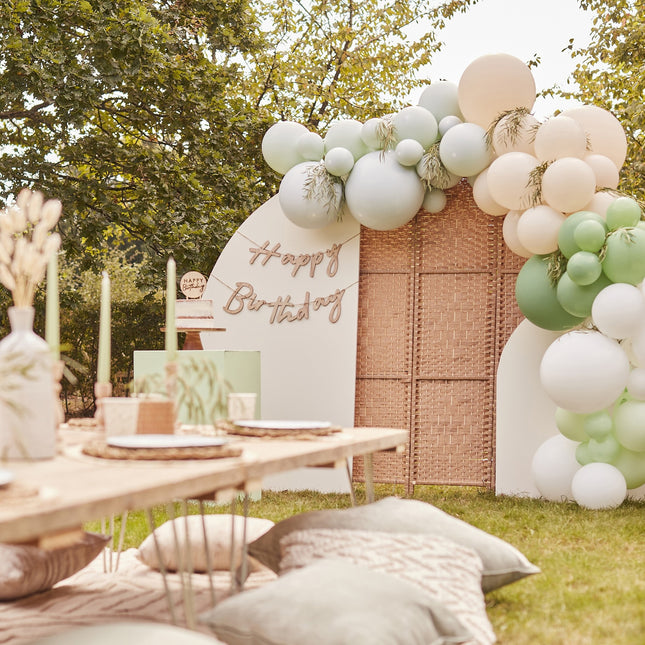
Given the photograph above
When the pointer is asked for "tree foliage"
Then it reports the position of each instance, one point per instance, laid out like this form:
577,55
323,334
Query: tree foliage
610,72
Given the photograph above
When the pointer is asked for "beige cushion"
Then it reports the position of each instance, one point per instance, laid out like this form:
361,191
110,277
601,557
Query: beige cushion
502,562
448,572
26,570
218,536
335,603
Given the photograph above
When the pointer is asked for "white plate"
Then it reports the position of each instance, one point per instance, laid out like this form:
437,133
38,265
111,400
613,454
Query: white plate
165,441
6,477
284,425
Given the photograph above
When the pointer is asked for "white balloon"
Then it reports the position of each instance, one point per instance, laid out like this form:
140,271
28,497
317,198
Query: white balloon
513,134
600,202
509,232
636,384
568,184
408,152
339,161
280,145
415,122
599,486
584,371
381,193
560,136
483,198
538,228
509,180
346,133
310,146
464,151
369,133
448,122
604,169
618,310
441,99
303,211
637,345
553,467
434,200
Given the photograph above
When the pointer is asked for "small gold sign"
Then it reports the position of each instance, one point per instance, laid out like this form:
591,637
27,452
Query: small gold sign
192,284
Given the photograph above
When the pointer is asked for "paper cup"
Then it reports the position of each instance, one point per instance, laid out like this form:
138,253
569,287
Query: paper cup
241,406
120,415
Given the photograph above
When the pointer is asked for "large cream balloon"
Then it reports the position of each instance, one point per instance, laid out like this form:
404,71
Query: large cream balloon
568,184
494,84
560,136
604,169
604,131
515,133
509,180
509,232
538,228
600,202
483,198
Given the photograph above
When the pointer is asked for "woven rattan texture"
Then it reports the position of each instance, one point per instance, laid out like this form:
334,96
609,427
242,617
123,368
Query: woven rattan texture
431,368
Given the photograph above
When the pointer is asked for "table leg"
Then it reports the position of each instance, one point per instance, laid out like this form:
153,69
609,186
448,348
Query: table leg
368,462
352,492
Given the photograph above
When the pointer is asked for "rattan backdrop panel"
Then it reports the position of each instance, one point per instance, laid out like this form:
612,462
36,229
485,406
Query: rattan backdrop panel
431,368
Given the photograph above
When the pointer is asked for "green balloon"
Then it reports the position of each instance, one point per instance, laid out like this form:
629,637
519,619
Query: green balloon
536,297
625,256
576,299
632,465
590,235
622,212
571,424
566,239
606,450
598,425
583,456
629,425
584,268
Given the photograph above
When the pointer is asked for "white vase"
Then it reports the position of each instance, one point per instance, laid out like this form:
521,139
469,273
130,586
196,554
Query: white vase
27,402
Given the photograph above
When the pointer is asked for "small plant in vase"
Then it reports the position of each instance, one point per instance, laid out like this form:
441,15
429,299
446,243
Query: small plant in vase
28,410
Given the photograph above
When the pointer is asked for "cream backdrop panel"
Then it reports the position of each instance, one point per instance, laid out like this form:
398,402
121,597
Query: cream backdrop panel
306,328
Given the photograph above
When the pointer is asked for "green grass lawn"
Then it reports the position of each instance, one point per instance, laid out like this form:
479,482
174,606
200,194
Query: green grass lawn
592,587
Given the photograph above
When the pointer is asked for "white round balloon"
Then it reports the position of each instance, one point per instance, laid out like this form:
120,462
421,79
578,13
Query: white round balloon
303,211
509,232
636,384
568,184
381,193
483,198
408,152
618,310
538,228
509,180
280,145
560,136
339,161
434,200
553,467
599,486
463,150
415,122
584,371
370,133
441,99
310,146
448,122
346,133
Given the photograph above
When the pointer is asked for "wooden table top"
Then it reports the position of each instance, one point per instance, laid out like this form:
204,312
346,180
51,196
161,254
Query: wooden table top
57,495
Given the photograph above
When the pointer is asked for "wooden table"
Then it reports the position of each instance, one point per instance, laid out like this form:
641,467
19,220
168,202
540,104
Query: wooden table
74,488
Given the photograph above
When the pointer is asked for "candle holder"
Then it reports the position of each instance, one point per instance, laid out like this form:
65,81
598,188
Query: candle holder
101,390
57,370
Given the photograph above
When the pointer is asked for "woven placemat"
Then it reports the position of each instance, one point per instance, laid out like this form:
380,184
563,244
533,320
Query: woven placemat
82,422
98,448
16,493
282,433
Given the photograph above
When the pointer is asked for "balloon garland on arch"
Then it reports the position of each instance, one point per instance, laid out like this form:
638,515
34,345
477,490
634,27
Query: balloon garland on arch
555,184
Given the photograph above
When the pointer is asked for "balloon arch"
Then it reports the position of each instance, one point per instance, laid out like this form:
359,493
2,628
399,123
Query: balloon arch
555,184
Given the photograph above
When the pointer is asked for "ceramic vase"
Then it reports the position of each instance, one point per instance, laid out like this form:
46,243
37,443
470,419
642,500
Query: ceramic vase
28,411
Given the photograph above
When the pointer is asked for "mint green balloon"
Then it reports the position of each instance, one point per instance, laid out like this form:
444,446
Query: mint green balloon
604,450
571,424
576,299
536,297
632,465
625,256
590,235
622,212
583,456
629,425
566,239
598,425
584,268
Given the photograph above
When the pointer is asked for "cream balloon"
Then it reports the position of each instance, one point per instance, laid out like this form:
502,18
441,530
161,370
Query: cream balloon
600,202
483,198
560,136
538,228
515,133
441,99
618,310
604,169
604,132
568,184
493,84
636,384
509,180
280,145
509,232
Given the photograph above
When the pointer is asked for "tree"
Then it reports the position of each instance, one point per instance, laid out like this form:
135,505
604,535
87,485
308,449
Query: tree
331,59
129,111
609,73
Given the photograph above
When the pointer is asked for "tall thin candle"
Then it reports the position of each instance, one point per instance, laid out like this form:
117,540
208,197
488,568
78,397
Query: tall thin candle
171,323
105,341
52,311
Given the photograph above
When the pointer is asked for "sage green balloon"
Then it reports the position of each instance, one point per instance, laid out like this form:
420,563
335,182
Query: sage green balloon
584,268
576,299
625,256
571,424
632,465
566,240
604,450
622,212
536,297
583,456
590,235
598,425
629,425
